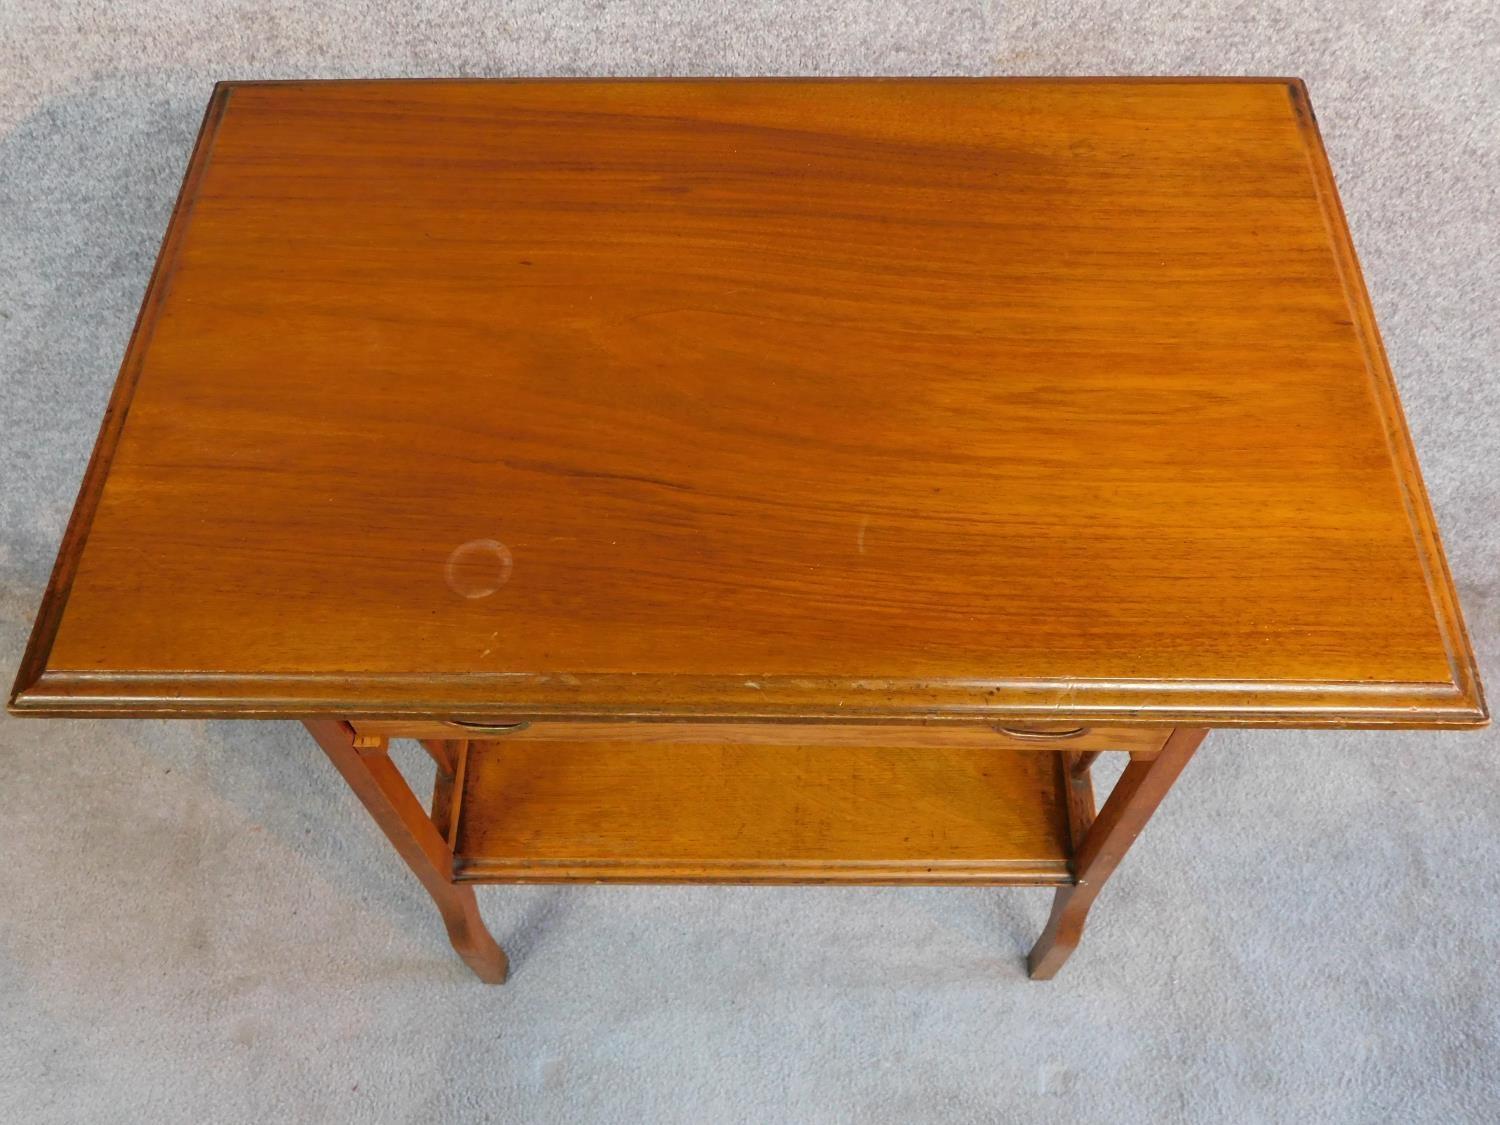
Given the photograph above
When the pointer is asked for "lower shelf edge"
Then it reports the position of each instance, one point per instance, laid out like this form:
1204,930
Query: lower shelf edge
821,872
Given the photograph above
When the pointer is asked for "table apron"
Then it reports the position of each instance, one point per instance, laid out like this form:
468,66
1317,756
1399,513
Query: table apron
1061,735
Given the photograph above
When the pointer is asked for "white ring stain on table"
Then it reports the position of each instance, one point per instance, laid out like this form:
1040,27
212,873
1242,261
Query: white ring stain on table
478,568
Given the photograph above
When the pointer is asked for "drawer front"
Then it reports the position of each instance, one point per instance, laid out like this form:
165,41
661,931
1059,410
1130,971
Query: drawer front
1036,736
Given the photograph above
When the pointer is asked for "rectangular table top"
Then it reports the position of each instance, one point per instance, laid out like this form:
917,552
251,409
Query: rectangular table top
853,398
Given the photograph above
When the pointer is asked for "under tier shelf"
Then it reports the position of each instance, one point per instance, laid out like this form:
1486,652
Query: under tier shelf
711,813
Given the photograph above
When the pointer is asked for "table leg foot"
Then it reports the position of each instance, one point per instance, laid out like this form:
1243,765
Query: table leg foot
1060,936
471,939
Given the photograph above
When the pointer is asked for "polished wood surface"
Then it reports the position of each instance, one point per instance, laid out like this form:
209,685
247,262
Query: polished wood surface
615,399
587,812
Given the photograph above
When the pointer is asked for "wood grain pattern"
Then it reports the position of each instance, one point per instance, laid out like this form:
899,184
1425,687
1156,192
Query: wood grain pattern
585,812
607,400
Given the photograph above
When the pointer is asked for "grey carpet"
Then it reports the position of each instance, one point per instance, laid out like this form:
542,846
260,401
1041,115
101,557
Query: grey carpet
198,924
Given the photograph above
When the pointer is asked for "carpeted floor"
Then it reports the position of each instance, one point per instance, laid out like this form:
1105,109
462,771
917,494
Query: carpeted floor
198,924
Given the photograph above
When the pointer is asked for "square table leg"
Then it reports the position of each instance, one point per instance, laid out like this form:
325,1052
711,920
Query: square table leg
379,785
1135,797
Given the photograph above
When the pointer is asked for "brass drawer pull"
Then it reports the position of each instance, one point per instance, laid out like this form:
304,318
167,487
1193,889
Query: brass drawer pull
482,728
1043,735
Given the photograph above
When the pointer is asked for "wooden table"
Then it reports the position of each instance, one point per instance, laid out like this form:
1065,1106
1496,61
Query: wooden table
757,481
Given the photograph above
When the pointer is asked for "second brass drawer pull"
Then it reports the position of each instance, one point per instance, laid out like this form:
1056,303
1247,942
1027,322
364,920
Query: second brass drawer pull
481,728
1043,735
